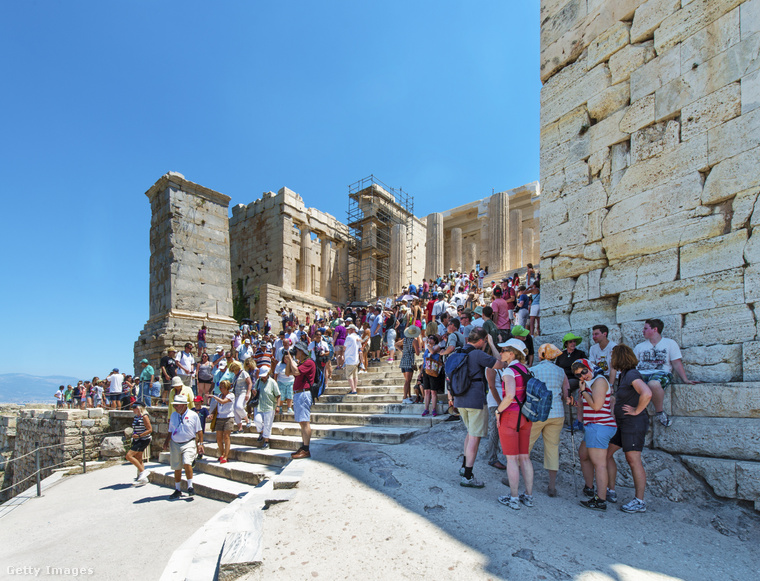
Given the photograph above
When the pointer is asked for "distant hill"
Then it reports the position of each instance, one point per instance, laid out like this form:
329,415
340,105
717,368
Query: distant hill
24,388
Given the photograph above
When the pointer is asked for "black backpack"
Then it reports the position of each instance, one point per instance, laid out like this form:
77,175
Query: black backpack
457,369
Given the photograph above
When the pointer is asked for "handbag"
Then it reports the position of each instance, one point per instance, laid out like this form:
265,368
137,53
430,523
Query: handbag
212,425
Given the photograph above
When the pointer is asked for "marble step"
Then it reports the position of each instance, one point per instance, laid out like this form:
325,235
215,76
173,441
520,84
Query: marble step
412,420
206,485
374,434
343,397
371,408
248,450
237,470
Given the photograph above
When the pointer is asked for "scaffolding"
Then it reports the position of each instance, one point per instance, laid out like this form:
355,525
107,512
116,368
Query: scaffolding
373,209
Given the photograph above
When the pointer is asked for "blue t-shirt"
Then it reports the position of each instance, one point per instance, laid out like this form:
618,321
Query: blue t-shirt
375,324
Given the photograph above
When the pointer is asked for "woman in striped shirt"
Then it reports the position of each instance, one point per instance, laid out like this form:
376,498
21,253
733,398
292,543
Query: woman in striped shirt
596,395
141,436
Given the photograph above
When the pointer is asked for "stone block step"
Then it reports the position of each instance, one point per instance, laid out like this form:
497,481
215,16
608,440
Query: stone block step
370,408
341,384
247,450
239,471
374,434
343,397
206,485
401,420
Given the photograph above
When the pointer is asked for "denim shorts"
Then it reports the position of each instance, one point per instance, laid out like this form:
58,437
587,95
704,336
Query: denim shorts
302,406
598,436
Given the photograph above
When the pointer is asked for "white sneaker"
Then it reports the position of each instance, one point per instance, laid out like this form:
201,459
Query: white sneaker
143,477
635,505
513,503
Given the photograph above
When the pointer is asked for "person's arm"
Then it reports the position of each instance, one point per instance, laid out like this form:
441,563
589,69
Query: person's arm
594,396
509,394
492,345
566,391
148,427
678,368
168,435
645,395
530,360
292,366
199,438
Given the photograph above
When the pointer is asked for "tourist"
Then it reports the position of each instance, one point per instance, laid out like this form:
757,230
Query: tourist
186,438
285,384
535,309
202,340
390,332
186,364
147,378
595,392
454,339
352,358
465,320
303,369
514,428
365,347
522,309
179,390
97,392
168,371
225,420
115,380
376,333
269,399
201,411
658,357
142,431
204,377
600,352
433,378
472,403
551,429
508,286
530,275
245,351
477,317
570,355
502,314
521,333
67,395
488,324
410,346
242,386
339,341
127,393
59,397
631,399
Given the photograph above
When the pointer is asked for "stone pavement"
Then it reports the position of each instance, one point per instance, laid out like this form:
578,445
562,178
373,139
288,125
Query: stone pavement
99,521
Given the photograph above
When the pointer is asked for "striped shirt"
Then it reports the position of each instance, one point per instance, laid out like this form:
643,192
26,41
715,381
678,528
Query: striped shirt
601,416
138,427
553,377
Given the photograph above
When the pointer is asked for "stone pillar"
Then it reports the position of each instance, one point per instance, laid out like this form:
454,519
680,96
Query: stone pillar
469,256
397,262
340,272
434,246
325,275
306,260
515,239
536,252
527,246
499,249
456,249
482,253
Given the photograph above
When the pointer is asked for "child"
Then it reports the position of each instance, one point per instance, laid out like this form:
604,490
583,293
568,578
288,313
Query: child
59,397
269,398
67,396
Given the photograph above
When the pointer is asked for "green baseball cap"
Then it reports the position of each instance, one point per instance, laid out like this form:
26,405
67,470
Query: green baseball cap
520,331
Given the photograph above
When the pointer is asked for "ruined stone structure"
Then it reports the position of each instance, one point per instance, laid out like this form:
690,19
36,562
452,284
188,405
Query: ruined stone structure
650,142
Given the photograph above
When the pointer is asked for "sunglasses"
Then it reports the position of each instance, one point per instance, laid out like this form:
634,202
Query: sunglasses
580,374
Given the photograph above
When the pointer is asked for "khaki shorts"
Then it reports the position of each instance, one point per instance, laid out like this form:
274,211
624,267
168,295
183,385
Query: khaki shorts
352,371
476,421
182,454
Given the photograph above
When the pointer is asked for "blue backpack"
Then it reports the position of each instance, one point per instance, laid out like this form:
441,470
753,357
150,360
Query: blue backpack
458,375
538,398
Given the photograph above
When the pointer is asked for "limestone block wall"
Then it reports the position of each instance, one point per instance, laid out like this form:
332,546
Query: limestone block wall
650,141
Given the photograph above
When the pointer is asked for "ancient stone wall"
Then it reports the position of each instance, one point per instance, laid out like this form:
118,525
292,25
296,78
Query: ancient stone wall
650,141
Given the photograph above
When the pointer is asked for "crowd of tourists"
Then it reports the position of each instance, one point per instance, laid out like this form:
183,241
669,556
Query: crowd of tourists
601,395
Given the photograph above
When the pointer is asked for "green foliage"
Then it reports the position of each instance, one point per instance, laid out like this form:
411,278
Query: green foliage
241,308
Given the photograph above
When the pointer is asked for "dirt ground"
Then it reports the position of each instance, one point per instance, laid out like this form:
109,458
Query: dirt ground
383,512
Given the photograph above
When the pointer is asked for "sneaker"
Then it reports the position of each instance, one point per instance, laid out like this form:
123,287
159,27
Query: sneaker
527,499
635,505
143,477
611,495
138,483
513,503
578,426
461,471
595,503
471,482
408,400
264,446
663,418
589,491
425,413
435,413
191,491
260,438
290,411
176,494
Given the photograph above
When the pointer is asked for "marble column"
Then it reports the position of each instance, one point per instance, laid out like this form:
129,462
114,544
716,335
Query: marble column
482,255
499,249
527,246
515,239
397,259
340,272
536,251
469,256
434,246
456,249
306,260
324,275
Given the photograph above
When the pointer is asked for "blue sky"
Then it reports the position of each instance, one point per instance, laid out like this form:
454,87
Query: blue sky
100,99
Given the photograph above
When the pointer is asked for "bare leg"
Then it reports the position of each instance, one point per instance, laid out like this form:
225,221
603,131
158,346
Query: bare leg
135,458
188,472
598,457
471,444
305,432
220,444
658,395
407,384
587,466
428,397
526,467
513,475
637,470
611,466
552,480
226,444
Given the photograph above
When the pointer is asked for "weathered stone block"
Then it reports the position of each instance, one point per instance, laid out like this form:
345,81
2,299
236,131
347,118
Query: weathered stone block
691,18
586,314
750,88
734,136
732,176
572,266
711,111
608,101
752,283
720,474
710,41
751,360
725,325
608,43
573,88
706,437
88,423
656,73
750,18
682,296
714,254
649,16
717,400
70,414
748,480
95,413
577,175
654,140
8,421
639,272
628,59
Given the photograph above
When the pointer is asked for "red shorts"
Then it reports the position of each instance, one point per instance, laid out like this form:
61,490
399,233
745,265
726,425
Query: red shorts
512,441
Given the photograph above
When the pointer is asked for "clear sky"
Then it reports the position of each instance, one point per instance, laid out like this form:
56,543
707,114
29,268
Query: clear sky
99,99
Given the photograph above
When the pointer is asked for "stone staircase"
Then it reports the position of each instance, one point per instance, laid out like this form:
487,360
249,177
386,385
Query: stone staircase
376,414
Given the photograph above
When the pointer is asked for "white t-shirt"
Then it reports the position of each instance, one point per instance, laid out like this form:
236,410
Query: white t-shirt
353,346
115,381
601,357
282,377
188,361
477,322
657,357
59,395
497,382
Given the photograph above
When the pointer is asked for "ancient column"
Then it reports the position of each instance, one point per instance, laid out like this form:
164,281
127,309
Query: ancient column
434,247
397,263
536,251
515,239
340,278
324,275
456,249
527,246
498,248
306,260
469,256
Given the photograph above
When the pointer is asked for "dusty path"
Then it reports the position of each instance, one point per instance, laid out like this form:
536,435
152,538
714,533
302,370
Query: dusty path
384,512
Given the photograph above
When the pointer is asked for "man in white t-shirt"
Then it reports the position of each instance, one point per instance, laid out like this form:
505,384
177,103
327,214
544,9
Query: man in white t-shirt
600,353
658,357
353,348
59,397
115,380
186,364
